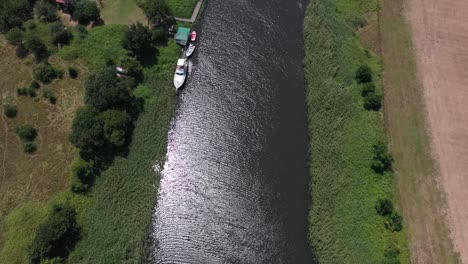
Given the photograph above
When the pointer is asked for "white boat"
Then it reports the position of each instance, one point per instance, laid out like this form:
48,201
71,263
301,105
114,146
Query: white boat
190,50
180,73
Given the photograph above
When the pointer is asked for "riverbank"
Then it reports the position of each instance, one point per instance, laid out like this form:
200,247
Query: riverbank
344,224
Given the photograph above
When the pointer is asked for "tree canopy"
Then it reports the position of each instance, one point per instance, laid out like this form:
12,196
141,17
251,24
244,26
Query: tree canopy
155,10
86,11
45,11
87,130
13,13
116,126
137,39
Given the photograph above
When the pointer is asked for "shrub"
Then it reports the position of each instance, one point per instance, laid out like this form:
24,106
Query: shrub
364,74
394,222
13,13
57,236
391,255
367,89
133,68
87,131
159,36
45,73
34,44
372,102
10,111
82,31
384,207
29,147
51,96
15,36
69,5
382,160
83,174
137,39
45,11
155,10
35,85
116,126
60,34
73,72
86,11
26,133
22,91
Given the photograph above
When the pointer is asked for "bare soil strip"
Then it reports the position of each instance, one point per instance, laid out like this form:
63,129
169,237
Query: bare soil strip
440,36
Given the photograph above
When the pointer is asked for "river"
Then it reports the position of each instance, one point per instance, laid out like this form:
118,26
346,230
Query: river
235,182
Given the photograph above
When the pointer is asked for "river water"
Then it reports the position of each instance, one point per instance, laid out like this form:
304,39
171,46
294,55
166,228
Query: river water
235,182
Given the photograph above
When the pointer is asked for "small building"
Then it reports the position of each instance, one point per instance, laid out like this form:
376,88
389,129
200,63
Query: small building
182,36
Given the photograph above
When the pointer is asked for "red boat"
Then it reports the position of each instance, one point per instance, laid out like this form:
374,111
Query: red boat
193,36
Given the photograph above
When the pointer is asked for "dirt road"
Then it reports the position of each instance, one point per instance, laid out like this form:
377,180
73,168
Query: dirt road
440,38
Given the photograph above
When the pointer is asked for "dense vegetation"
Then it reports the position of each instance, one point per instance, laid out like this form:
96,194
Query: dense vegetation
352,218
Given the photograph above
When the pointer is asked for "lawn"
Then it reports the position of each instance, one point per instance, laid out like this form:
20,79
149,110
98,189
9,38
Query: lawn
121,12
182,8
344,225
39,176
406,130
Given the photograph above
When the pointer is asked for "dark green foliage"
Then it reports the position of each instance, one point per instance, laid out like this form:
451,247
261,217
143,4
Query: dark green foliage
83,173
29,147
45,11
364,74
50,96
158,36
372,102
87,129
35,85
116,126
82,31
26,133
70,5
57,236
382,160
394,222
384,207
368,88
60,34
392,255
54,261
45,73
15,36
155,10
133,68
138,40
10,111
86,11
13,13
73,72
104,90
26,91
34,44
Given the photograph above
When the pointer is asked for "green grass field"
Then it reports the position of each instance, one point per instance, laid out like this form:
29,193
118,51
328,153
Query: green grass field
121,12
344,225
182,8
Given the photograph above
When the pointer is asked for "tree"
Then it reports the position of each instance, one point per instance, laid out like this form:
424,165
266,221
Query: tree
60,34
159,36
382,160
116,126
34,44
45,73
87,133
86,11
104,90
372,102
13,13
26,133
155,10
69,5
137,39
368,88
384,207
133,68
364,74
57,236
15,36
10,111
394,222
45,11
83,175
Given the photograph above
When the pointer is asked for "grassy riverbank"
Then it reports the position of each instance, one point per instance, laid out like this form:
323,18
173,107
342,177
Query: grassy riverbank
344,224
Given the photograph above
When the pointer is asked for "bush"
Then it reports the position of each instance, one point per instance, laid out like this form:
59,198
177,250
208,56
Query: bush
364,74
51,96
116,126
83,174
35,85
69,5
86,11
133,68
137,39
60,33
382,160
87,133
82,31
10,111
372,102
367,89
155,10
394,222
13,13
34,44
15,36
391,255
73,72
45,11
159,36
29,147
45,73
57,236
26,133
384,207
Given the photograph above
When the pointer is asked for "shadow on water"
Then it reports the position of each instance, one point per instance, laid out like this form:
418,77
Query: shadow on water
235,183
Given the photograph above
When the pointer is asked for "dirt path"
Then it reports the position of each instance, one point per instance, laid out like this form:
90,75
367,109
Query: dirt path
440,37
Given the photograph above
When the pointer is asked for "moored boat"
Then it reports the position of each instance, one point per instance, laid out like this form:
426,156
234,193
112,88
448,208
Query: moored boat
180,73
190,50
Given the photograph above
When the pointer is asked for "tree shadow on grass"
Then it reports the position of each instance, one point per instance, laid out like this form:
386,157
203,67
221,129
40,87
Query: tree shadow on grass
148,57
